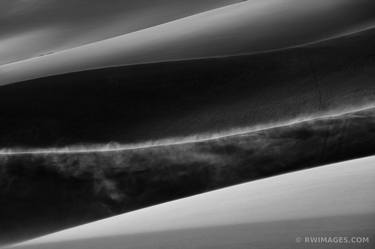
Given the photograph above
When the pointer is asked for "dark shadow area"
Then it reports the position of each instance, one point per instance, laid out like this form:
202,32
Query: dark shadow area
44,193
154,101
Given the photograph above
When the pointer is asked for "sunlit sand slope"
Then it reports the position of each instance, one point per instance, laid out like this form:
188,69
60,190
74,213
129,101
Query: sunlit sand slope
245,27
36,28
334,200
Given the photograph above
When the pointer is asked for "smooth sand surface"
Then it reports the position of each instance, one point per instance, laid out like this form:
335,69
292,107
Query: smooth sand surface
36,28
244,27
333,200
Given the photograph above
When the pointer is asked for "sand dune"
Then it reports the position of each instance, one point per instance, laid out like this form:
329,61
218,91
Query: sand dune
234,82
335,199
198,98
29,29
244,27
37,190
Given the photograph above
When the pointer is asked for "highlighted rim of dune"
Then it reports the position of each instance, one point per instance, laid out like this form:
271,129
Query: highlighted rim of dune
199,138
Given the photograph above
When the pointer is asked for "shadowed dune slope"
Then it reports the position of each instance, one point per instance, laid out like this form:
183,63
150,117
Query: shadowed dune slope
37,191
246,27
166,100
269,213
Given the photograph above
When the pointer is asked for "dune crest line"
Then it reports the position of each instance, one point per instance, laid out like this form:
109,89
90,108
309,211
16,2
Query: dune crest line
118,147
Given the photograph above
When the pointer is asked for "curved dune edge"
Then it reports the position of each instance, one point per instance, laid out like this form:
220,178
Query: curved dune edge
26,25
245,27
116,147
337,190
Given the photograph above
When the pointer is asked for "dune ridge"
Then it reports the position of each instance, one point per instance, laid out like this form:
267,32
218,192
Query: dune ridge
244,27
117,147
26,30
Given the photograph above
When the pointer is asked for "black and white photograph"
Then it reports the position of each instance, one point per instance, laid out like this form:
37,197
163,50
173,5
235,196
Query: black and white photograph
187,124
